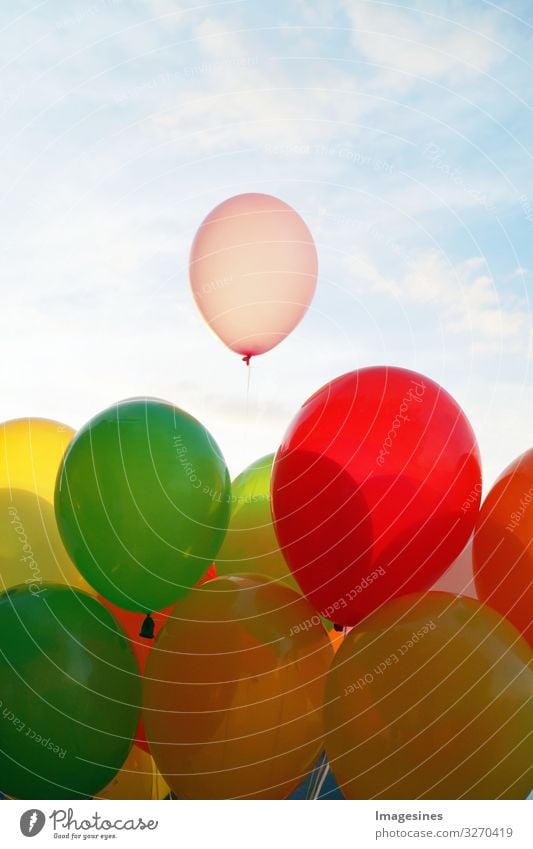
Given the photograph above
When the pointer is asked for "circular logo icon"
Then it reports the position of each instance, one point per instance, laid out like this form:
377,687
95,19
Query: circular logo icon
32,822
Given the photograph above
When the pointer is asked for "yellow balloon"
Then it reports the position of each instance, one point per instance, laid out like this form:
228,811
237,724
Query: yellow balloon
250,544
31,550
139,778
30,453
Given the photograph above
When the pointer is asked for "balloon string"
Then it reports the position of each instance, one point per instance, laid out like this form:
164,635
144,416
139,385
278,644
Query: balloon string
312,789
248,384
312,782
325,771
313,779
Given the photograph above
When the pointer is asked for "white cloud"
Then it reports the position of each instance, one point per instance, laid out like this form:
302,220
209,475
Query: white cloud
473,302
465,297
440,42
240,93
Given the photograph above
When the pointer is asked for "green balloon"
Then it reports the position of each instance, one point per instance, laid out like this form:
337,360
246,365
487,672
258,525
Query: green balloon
142,503
251,544
70,692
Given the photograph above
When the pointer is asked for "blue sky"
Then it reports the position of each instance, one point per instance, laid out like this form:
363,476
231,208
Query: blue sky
402,132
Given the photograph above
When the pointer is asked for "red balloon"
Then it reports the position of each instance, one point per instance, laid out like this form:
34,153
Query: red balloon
132,623
375,490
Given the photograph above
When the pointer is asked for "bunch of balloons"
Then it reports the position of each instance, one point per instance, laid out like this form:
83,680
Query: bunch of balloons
163,630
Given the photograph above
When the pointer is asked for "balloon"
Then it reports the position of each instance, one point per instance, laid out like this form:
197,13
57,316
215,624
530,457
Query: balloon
142,503
31,551
368,490
503,548
430,698
70,692
138,779
250,543
233,691
253,270
132,623
30,453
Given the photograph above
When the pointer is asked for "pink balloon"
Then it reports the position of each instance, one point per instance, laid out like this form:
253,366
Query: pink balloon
253,271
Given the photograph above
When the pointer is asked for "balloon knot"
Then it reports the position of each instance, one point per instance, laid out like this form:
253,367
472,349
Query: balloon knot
147,629
246,359
338,627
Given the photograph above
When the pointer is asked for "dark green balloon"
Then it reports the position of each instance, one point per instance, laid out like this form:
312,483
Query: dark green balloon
142,503
69,690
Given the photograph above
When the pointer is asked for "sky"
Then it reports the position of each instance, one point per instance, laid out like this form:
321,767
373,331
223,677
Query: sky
401,132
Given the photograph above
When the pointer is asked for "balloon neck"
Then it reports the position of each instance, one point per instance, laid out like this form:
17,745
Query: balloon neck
147,629
338,628
246,359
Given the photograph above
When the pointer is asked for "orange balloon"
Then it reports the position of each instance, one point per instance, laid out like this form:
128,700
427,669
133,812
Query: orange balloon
253,271
234,691
503,545
430,698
